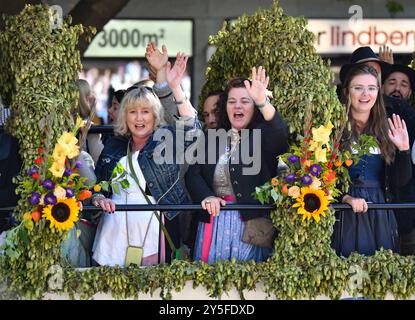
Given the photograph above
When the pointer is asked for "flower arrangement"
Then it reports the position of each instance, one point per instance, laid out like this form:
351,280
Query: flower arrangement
316,171
53,187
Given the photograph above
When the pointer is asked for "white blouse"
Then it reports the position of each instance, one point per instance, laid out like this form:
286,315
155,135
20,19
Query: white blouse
111,243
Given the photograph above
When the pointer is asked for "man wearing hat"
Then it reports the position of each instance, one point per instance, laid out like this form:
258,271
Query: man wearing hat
399,82
365,55
405,218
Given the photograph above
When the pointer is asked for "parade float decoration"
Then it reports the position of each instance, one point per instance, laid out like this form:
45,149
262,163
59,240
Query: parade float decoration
40,67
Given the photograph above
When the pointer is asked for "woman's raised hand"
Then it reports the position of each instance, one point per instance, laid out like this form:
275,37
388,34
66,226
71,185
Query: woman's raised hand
155,58
175,73
258,89
398,133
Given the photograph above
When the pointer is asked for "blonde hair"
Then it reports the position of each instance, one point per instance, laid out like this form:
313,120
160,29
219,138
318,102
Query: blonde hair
84,108
138,97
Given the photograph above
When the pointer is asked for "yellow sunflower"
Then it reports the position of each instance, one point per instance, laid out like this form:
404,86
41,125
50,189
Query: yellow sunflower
312,203
63,214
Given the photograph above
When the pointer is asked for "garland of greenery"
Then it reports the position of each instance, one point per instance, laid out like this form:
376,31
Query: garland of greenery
303,266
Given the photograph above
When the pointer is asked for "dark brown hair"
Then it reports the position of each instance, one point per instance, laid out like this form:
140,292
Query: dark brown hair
377,125
223,119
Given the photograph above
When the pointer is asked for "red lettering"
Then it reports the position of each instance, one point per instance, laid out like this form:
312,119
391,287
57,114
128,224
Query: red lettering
369,37
398,36
345,33
384,35
407,37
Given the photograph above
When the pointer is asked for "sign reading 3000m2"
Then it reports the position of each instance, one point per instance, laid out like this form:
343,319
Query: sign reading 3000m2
128,38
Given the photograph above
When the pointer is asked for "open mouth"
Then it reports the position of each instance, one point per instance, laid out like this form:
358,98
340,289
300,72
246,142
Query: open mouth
139,126
396,95
364,100
238,115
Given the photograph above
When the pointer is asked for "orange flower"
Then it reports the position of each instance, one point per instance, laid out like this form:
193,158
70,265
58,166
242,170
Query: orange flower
337,163
284,189
36,216
85,195
274,182
329,177
348,162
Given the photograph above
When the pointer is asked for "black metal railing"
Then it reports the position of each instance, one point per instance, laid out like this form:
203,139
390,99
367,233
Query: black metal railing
192,207
93,129
239,207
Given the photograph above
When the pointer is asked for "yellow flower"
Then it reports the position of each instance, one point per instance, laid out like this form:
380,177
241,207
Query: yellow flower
57,169
74,152
60,192
63,214
320,155
311,204
59,152
313,145
27,216
67,139
308,163
97,188
294,192
322,134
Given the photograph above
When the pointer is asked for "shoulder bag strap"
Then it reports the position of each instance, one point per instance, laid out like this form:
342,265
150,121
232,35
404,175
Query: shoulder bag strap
134,176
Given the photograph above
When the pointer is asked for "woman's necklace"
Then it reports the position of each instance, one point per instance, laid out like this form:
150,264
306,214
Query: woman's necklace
231,143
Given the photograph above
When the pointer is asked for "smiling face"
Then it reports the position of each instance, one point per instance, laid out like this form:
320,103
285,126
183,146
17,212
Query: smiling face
140,121
397,85
240,108
363,91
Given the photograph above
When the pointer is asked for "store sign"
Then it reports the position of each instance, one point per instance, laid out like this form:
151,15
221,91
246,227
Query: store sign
122,38
344,36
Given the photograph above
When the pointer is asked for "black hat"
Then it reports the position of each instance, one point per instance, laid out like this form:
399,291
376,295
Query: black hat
361,55
404,69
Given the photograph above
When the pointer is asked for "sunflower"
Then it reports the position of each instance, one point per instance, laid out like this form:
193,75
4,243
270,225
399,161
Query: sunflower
63,214
312,203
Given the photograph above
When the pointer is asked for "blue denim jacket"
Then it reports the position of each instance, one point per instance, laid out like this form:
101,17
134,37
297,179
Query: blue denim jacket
165,181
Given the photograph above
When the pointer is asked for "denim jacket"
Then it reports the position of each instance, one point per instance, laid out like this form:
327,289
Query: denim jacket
164,181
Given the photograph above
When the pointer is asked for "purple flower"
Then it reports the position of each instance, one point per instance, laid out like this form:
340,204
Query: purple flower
34,198
69,192
306,180
48,184
293,158
50,198
67,172
291,177
32,171
79,164
315,170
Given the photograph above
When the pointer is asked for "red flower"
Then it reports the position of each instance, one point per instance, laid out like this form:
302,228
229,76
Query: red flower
35,175
39,160
70,182
40,150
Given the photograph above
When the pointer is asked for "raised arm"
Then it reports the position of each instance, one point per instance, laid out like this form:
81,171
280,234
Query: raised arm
157,63
157,60
258,92
174,77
